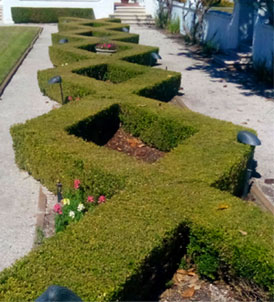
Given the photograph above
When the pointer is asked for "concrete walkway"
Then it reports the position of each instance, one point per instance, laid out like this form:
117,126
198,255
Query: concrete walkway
205,90
21,100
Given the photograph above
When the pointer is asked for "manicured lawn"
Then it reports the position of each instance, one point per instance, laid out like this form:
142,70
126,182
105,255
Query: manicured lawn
14,42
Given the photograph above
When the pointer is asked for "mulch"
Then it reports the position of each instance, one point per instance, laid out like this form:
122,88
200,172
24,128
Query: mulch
132,146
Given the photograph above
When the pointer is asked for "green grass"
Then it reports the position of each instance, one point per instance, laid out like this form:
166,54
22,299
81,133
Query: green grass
14,42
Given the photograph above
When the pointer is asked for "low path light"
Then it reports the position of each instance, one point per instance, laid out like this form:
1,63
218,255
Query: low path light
63,41
56,80
125,29
248,138
154,57
59,191
58,293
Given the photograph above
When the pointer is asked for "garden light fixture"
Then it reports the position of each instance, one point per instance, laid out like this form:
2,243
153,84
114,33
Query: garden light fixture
58,293
125,29
59,191
56,80
248,138
63,41
154,57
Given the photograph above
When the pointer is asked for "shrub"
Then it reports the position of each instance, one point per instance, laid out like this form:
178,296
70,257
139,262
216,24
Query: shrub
47,14
155,212
174,25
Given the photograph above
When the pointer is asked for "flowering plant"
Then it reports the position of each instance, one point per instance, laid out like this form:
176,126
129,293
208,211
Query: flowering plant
107,45
74,206
72,99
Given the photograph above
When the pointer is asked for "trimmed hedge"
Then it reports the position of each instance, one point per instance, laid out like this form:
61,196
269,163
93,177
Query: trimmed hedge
48,14
156,211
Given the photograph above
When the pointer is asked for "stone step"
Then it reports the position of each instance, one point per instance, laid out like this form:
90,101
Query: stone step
142,22
232,57
128,16
132,15
136,20
130,8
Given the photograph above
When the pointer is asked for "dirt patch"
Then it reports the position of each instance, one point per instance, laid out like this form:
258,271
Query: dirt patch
132,146
186,285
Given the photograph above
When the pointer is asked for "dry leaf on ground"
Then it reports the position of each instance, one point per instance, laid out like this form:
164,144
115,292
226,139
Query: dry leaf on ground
188,293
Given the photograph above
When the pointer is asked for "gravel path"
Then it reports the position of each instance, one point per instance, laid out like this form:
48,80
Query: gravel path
206,92
21,100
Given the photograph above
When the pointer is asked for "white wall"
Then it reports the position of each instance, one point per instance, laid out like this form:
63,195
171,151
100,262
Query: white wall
216,24
151,6
217,29
101,8
263,44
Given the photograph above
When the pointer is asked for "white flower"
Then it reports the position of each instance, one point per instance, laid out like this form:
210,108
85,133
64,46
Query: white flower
71,214
80,207
66,64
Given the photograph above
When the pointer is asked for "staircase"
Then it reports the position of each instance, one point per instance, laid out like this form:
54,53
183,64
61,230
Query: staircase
240,58
132,14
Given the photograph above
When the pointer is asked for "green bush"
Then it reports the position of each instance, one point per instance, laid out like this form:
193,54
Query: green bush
128,247
47,14
174,25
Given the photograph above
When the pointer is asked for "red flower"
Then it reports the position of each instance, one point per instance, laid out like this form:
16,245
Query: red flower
70,98
90,199
76,184
102,199
57,208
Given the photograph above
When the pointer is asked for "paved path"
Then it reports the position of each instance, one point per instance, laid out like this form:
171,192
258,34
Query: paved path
208,93
21,100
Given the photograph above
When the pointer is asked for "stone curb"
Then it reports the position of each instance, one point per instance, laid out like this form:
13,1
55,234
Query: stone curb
40,216
18,63
261,198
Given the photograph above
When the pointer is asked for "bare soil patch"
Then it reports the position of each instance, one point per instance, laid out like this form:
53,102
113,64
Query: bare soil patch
132,146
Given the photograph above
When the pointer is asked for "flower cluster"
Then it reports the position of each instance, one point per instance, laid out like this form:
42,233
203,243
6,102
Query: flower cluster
109,46
72,99
74,206
101,199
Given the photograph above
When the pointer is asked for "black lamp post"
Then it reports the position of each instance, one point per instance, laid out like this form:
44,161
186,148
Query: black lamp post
55,80
59,191
248,138
63,41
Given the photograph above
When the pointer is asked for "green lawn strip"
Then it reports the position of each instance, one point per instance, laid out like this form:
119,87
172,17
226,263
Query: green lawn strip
48,14
14,42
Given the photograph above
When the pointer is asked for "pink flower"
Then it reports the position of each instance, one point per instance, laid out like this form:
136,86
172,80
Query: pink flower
57,208
70,98
76,184
90,199
102,199
104,45
109,45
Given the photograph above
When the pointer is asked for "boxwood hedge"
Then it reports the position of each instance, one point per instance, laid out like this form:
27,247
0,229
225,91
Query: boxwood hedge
48,14
124,249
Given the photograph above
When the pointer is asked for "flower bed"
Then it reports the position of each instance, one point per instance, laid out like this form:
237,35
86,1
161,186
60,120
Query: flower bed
154,212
